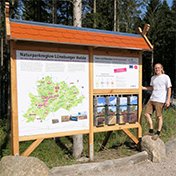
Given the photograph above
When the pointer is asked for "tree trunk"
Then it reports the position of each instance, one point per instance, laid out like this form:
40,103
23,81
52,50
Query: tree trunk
127,20
152,60
2,51
54,11
39,11
77,13
115,15
95,14
118,16
77,21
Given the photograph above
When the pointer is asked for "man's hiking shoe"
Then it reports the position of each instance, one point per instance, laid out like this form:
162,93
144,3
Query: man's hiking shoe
155,137
147,133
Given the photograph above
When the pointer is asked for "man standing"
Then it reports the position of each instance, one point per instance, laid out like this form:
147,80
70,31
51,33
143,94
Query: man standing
161,92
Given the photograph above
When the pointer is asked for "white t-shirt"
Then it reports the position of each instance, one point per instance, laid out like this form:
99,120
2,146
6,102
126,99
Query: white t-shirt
160,85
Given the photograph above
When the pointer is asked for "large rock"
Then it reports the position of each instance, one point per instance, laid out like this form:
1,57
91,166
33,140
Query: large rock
155,148
22,166
170,145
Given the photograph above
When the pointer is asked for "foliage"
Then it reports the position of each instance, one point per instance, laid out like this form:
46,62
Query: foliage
58,152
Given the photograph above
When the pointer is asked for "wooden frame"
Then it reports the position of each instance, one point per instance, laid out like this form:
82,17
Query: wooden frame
93,129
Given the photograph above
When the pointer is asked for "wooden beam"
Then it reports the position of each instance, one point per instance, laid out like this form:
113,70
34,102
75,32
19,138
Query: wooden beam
139,30
30,149
131,135
50,135
139,130
115,127
14,103
7,21
91,135
146,29
105,140
115,91
148,42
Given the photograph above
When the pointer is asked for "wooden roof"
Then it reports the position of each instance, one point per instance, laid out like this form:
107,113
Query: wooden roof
53,33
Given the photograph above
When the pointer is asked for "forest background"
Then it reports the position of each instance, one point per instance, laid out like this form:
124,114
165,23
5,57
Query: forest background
112,15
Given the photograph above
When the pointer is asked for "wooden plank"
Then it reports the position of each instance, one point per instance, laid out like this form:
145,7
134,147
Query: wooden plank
30,149
115,91
115,127
50,135
139,131
131,135
105,140
50,49
91,135
7,21
148,42
146,29
14,107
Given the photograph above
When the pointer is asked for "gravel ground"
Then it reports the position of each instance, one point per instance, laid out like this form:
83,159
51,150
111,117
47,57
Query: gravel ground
145,168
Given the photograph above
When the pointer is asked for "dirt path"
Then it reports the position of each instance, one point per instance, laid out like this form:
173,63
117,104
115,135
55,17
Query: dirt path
145,168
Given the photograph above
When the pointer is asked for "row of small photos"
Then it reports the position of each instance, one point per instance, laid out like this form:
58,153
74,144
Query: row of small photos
111,110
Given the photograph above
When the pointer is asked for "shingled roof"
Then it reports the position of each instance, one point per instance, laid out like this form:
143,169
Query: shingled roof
62,34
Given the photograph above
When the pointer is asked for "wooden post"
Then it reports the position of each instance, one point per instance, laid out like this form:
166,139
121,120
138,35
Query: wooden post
30,149
139,129
105,140
91,133
14,111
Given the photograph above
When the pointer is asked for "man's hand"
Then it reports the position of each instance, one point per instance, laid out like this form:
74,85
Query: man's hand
167,104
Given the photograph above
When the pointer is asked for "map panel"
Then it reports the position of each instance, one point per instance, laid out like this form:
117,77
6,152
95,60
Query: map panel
52,91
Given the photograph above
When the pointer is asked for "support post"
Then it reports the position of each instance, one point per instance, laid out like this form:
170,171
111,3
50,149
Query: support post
105,140
139,129
14,111
91,133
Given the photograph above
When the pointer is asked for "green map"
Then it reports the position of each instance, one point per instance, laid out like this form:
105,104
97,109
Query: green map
51,97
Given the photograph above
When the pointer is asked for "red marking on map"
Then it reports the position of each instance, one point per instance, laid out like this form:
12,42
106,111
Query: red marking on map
56,87
48,83
119,70
72,83
38,118
32,114
42,81
74,93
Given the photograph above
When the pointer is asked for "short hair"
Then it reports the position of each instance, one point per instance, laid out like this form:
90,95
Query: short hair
162,71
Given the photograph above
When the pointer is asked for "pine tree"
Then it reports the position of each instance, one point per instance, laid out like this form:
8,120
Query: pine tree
35,10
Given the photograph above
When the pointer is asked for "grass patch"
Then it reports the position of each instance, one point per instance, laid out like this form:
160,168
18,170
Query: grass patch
59,152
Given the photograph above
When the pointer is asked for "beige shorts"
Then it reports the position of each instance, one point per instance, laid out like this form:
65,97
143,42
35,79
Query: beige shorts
154,106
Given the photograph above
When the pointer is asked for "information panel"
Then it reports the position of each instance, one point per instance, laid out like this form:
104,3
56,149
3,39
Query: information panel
52,92
111,72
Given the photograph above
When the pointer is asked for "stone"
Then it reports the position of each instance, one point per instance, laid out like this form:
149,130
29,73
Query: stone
22,166
155,148
170,145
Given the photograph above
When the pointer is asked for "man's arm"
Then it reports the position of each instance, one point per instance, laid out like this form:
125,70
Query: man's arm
168,97
147,88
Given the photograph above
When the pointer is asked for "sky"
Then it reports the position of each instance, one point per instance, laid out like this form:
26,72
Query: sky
169,2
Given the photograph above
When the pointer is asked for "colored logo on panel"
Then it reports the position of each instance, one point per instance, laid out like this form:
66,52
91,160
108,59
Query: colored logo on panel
118,70
135,67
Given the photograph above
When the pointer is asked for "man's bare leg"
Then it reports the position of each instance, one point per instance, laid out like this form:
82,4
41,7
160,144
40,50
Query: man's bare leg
149,120
160,123
150,124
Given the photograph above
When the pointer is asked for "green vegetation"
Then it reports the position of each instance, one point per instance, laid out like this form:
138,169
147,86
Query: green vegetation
59,152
